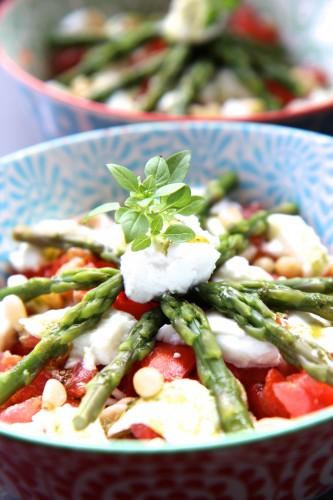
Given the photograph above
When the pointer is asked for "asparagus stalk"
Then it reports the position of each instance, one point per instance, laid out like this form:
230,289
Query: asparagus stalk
98,57
172,65
135,347
131,76
78,320
64,241
192,325
259,321
217,190
63,40
193,80
229,246
316,285
78,279
283,298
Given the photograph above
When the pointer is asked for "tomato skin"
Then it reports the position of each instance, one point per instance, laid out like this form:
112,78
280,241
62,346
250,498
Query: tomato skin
123,303
163,359
21,412
8,360
25,344
34,389
66,58
251,209
247,23
284,95
249,376
75,380
143,431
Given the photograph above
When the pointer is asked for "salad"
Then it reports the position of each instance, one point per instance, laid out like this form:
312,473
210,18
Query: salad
183,317
202,58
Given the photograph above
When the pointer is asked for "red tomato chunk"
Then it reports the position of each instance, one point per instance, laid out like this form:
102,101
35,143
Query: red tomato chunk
123,303
173,361
142,431
21,412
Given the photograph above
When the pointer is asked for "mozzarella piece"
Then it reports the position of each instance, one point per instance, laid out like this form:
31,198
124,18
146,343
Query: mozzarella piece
312,327
238,269
39,324
238,347
229,212
149,273
25,257
241,107
168,100
185,20
16,280
87,20
57,423
300,240
123,100
168,334
183,411
224,86
99,346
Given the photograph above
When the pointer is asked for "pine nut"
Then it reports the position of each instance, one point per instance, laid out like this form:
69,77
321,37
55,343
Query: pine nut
288,266
265,263
14,310
54,394
148,382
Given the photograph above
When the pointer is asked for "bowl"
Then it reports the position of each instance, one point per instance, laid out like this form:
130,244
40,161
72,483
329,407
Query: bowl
67,176
24,25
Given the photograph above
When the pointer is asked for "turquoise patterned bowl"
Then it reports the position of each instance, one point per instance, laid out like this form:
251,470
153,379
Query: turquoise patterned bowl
66,177
24,24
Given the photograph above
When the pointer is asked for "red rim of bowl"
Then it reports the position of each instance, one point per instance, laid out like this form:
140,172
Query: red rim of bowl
138,116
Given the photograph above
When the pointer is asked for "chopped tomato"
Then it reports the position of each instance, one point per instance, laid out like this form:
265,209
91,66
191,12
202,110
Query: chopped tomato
272,405
279,91
173,361
143,431
251,209
35,388
25,344
249,376
123,303
22,412
247,23
8,360
150,48
75,380
66,58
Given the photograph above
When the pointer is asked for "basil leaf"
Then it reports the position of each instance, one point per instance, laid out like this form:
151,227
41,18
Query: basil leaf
149,183
158,168
168,189
118,215
179,233
140,243
179,164
179,198
125,177
193,207
156,224
134,224
101,209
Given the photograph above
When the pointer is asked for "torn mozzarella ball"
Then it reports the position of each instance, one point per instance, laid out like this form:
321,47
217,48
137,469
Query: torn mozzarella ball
169,100
39,324
99,346
183,411
26,257
299,240
168,334
149,273
238,347
123,100
224,86
311,327
84,20
238,269
229,212
242,107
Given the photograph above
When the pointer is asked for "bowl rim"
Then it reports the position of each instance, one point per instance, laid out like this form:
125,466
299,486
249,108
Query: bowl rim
102,110
130,446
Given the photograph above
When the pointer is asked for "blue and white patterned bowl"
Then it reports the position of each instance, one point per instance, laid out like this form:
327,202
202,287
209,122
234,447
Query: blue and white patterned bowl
24,24
67,177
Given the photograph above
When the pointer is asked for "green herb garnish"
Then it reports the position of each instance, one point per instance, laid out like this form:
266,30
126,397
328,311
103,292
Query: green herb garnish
150,212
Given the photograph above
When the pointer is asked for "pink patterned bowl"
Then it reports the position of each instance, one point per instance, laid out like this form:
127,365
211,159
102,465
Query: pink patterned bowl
24,24
275,164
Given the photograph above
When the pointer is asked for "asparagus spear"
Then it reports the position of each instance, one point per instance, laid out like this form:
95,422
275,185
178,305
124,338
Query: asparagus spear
229,246
259,321
98,57
78,279
172,65
131,76
192,325
62,40
135,347
64,241
193,80
217,190
78,320
282,297
319,285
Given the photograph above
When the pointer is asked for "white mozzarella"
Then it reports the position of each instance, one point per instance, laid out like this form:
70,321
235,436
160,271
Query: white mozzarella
238,347
238,269
168,334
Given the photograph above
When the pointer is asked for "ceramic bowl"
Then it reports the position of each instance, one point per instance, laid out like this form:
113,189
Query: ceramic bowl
67,176
24,24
